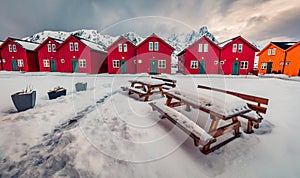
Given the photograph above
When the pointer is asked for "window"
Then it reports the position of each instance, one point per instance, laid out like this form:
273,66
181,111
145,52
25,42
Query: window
200,48
14,48
244,64
9,48
140,61
46,63
205,48
287,63
150,46
20,63
125,47
62,61
269,52
156,46
216,62
263,65
116,63
194,64
222,62
161,64
273,51
120,47
49,47
71,47
240,48
76,46
281,63
53,48
234,48
82,63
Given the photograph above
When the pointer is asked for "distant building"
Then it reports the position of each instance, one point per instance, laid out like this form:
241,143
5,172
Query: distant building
80,55
272,58
292,62
121,57
202,57
19,55
237,56
48,55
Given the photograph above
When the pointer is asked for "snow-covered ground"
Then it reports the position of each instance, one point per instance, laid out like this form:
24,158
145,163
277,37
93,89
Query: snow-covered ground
102,132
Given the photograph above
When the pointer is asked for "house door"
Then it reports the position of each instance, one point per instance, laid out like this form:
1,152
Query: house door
123,66
153,67
53,65
269,67
74,65
14,65
235,68
202,67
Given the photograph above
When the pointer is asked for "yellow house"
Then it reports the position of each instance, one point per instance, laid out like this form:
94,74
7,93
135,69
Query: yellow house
272,57
292,63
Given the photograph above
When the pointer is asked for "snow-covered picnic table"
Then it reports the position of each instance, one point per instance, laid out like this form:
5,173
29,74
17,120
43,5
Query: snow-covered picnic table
145,87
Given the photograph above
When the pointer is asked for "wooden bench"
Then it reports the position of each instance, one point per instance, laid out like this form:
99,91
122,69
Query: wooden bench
254,103
198,134
169,83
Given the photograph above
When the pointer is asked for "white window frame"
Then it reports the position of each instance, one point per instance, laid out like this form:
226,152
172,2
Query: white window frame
200,46
20,63
116,64
240,48
194,64
156,46
273,51
10,48
269,52
46,63
244,65
62,61
71,45
281,63
162,64
288,63
234,48
263,65
205,48
76,46
150,46
216,62
82,63
49,47
125,47
53,48
120,47
222,62
14,48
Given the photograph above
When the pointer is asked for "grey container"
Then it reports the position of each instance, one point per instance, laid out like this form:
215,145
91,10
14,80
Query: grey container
80,86
24,101
57,93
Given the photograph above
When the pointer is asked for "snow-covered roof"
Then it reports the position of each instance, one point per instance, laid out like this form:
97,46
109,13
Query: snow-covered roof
26,44
1,42
224,43
284,45
92,45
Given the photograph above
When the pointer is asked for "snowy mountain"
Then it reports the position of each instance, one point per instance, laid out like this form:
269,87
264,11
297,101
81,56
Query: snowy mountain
178,41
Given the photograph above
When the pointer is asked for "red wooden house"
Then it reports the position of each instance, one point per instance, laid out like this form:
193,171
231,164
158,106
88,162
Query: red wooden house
153,55
80,55
121,57
202,57
1,64
48,55
19,55
237,56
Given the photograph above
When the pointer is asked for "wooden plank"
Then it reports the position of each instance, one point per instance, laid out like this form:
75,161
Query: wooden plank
225,129
240,95
164,79
257,108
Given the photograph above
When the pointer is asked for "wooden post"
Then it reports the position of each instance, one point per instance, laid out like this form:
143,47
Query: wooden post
236,130
249,127
188,108
214,123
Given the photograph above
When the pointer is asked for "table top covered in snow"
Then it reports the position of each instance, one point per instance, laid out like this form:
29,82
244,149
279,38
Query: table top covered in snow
221,104
147,81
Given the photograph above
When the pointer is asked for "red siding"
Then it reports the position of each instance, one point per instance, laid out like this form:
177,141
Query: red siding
29,58
129,56
99,61
192,54
247,54
144,56
44,54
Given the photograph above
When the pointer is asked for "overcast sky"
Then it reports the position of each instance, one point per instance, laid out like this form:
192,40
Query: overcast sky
257,20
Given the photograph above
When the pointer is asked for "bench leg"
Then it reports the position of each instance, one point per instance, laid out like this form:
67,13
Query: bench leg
237,129
249,127
188,108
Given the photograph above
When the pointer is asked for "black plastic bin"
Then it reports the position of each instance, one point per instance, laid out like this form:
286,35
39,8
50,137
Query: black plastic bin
57,93
24,101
